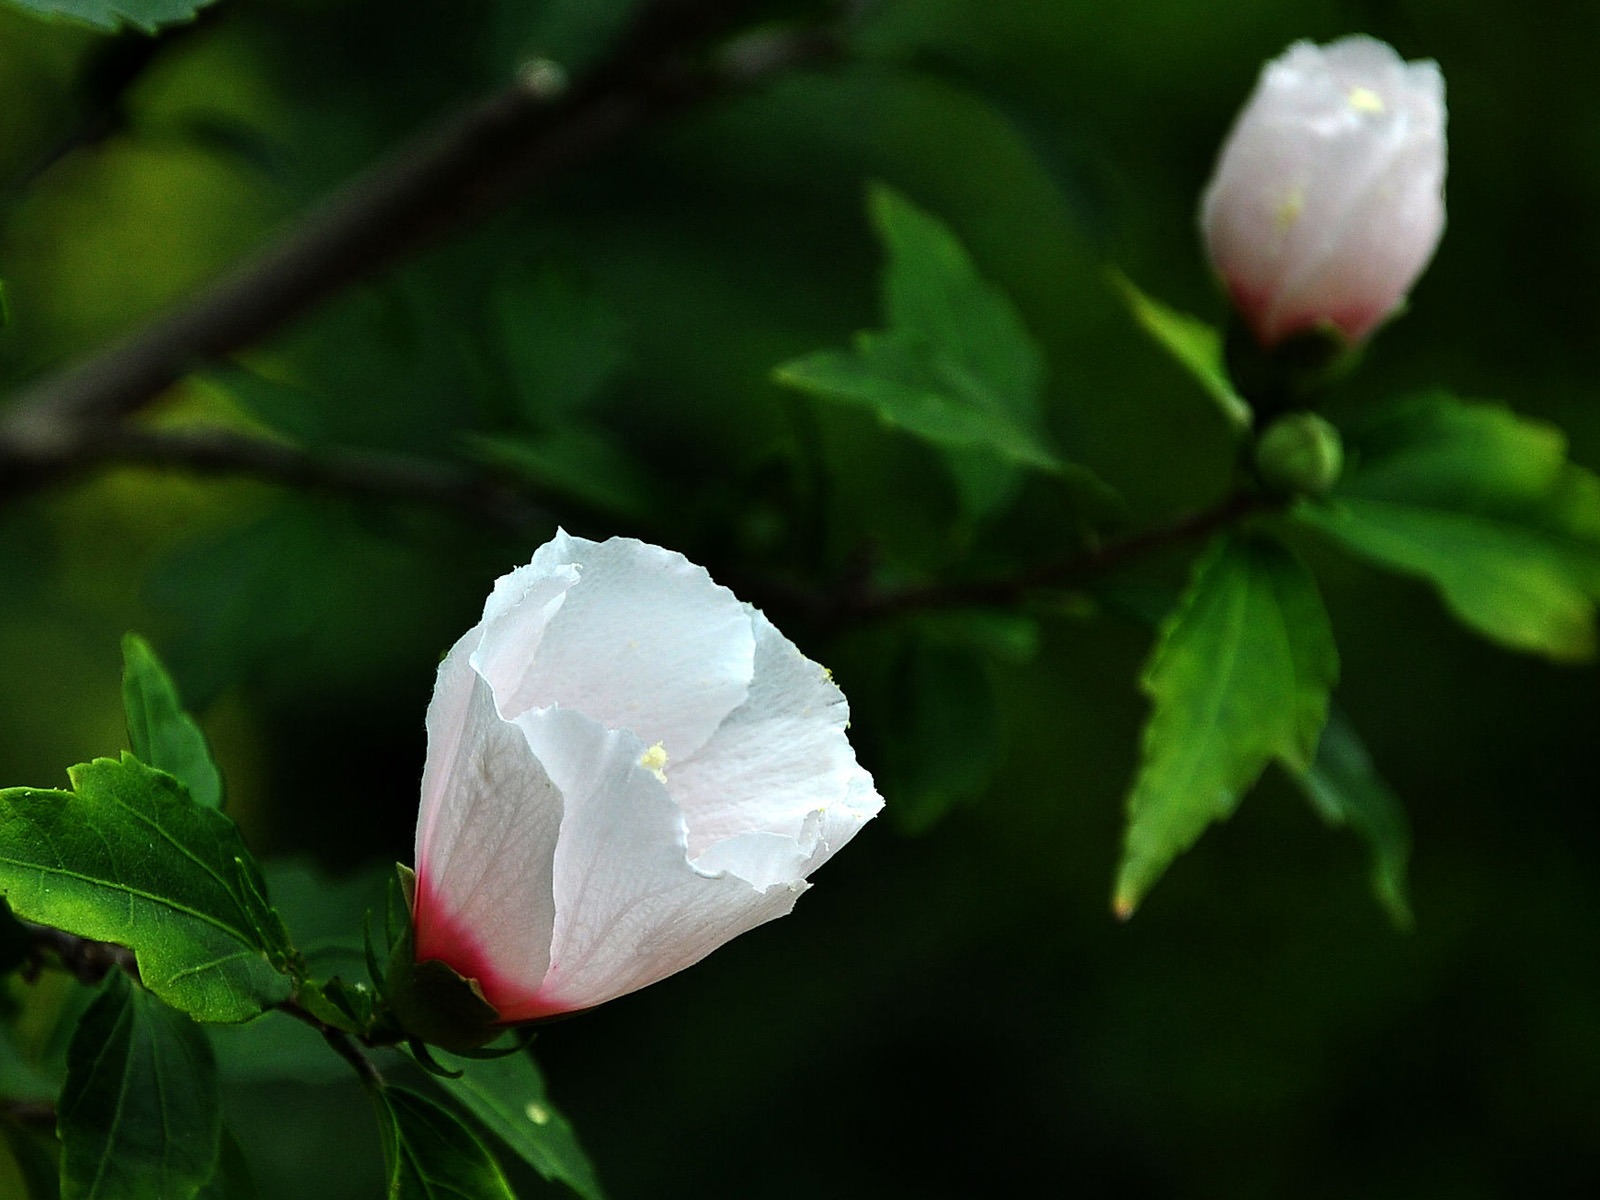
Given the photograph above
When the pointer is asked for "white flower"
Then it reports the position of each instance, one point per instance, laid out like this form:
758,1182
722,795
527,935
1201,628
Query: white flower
627,766
1328,199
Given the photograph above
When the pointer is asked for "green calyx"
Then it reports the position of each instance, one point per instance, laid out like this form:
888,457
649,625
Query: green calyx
1290,375
432,1001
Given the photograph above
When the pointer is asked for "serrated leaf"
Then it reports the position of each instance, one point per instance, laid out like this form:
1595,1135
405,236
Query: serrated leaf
139,1114
910,384
1344,786
127,857
508,1096
1194,345
956,366
431,1155
562,343
1483,504
110,15
1240,675
161,733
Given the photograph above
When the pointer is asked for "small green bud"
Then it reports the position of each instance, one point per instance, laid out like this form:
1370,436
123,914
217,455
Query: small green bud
1300,454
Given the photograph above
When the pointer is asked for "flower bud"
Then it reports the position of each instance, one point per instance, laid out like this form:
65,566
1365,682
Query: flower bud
1300,454
626,767
1328,199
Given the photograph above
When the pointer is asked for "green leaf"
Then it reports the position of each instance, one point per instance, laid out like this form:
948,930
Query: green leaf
139,1114
507,1095
127,857
1240,675
161,733
1484,505
573,462
110,15
956,367
232,1180
932,289
27,1171
1196,347
297,413
563,344
912,385
431,1155
1346,789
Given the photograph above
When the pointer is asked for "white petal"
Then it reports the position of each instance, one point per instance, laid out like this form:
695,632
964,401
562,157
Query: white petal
644,640
515,619
486,839
778,758
630,909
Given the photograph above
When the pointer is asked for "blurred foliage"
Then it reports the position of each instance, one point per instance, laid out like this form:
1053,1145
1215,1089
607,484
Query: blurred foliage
954,995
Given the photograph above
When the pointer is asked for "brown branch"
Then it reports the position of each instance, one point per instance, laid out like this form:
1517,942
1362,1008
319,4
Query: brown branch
89,962
438,184
37,1115
352,473
339,1041
858,603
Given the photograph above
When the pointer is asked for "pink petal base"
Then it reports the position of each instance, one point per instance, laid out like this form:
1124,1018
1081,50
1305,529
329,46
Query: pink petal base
1354,322
441,936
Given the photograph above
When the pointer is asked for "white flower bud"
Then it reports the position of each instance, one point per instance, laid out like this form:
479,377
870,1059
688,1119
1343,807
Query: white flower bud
1328,199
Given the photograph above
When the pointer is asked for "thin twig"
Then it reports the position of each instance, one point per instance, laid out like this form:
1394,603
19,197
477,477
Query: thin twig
859,603
37,1115
341,1043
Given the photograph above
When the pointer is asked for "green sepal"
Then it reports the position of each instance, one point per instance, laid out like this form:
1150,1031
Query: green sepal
419,1051
432,1001
521,1038
1294,374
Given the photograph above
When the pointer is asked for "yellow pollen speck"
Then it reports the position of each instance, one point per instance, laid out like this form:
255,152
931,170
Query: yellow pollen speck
1364,100
827,673
654,760
537,1113
1289,211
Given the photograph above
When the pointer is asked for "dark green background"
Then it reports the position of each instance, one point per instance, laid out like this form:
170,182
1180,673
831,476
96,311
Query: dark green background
953,1013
